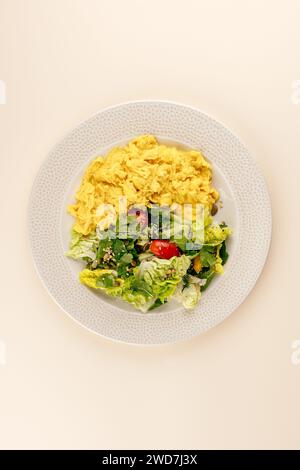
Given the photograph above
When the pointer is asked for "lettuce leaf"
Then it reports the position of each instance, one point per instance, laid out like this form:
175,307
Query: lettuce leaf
216,234
163,275
99,278
83,246
190,237
152,282
131,290
188,296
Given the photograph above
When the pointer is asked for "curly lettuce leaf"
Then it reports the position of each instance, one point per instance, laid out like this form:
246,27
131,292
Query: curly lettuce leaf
131,290
163,275
216,234
190,237
188,296
99,278
83,246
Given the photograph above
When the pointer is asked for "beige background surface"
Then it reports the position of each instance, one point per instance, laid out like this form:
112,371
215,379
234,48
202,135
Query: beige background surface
234,387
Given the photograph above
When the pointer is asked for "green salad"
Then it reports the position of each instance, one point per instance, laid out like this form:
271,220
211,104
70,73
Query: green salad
153,258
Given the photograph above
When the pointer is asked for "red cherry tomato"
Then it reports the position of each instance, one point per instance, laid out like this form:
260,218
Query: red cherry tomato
164,249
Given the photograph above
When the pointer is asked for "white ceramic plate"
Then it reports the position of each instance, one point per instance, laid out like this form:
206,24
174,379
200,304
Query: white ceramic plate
246,209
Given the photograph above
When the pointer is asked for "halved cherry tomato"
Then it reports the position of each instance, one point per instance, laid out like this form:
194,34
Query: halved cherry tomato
164,249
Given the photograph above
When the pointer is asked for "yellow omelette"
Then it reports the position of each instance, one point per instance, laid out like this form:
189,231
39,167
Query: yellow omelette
146,172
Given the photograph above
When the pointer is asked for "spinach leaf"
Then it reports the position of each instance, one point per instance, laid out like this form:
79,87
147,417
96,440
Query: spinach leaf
186,280
106,280
103,245
118,248
123,271
129,243
207,256
156,304
223,253
209,278
126,259
141,286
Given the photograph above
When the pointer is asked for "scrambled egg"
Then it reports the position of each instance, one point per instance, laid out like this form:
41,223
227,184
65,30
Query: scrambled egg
145,172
